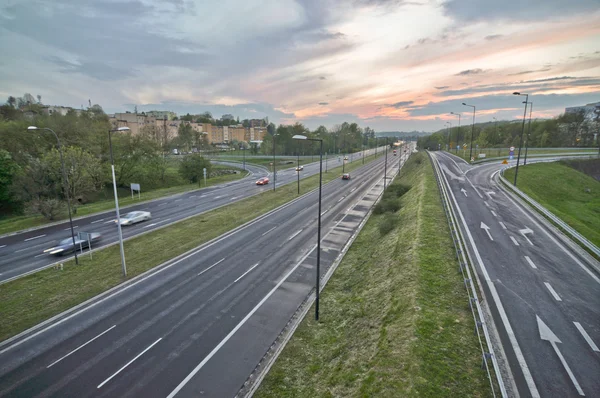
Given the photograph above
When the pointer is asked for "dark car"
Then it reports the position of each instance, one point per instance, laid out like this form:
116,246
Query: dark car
346,176
66,246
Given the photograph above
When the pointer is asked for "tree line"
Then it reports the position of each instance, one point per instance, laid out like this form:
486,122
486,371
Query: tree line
575,129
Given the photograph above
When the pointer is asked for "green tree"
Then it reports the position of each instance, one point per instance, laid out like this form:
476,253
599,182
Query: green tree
192,168
8,168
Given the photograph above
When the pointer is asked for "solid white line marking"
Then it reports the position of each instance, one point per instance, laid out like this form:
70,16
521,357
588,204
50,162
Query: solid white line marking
293,236
80,347
149,225
514,241
35,237
107,222
68,229
234,198
530,262
556,296
502,224
22,250
218,262
218,197
494,213
94,222
268,231
128,363
39,255
244,274
586,336
325,211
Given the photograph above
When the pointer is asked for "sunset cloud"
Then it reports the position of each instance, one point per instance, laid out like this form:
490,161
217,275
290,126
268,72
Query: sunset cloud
389,64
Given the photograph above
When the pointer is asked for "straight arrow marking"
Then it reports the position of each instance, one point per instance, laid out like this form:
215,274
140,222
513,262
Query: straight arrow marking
524,232
487,229
547,334
463,191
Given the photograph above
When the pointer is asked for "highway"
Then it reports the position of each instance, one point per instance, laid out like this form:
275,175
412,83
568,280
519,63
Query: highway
22,253
543,293
197,325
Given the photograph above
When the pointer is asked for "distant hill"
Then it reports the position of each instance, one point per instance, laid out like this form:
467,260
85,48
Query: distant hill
402,134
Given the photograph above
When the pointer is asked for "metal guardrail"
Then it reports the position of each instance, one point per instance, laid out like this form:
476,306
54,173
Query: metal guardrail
487,350
548,214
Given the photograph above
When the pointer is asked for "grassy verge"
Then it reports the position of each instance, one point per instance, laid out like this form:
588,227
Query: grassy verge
563,191
29,300
395,319
18,223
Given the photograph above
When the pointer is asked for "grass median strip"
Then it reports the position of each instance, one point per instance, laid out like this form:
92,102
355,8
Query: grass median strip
571,195
18,223
394,319
29,300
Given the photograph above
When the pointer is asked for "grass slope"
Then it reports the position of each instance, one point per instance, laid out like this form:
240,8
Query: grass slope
395,319
28,301
562,190
18,223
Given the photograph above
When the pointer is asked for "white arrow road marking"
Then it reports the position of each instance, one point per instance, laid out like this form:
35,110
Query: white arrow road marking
489,194
530,262
526,231
586,336
487,229
463,191
552,292
547,334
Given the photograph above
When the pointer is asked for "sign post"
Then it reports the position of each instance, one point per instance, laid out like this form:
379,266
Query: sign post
135,187
204,171
511,153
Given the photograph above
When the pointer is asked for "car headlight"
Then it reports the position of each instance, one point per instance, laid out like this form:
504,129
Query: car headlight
49,250
56,251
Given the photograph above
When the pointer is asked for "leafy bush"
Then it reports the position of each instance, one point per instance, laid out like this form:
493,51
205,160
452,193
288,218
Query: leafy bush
387,205
387,224
398,189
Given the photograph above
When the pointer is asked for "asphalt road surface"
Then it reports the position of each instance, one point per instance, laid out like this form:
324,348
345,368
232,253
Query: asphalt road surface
23,253
543,293
197,325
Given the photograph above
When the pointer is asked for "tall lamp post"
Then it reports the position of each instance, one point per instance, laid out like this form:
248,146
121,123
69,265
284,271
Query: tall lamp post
112,166
522,131
65,184
472,129
458,133
298,170
448,126
528,133
385,165
318,282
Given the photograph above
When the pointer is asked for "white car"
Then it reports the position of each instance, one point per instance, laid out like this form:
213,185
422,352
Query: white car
135,217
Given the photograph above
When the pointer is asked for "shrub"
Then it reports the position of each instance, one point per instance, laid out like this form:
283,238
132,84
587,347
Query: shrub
387,224
398,189
387,205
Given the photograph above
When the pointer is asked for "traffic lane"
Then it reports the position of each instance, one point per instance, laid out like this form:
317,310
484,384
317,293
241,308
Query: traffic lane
519,283
151,283
64,381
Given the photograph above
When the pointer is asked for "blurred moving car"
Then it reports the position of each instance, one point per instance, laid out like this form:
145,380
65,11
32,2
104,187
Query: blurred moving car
299,168
262,181
66,245
346,176
135,217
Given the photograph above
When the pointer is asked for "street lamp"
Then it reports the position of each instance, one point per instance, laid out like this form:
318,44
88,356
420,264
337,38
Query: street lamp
528,132
385,165
298,169
303,137
65,185
458,133
274,169
448,130
112,166
472,130
522,131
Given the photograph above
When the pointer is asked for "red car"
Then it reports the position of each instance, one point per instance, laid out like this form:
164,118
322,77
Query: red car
262,181
346,176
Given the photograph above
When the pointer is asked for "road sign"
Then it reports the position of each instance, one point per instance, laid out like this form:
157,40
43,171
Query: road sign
204,171
465,146
135,187
512,149
472,159
504,161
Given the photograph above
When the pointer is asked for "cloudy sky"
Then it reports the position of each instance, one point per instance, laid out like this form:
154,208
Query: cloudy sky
390,65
